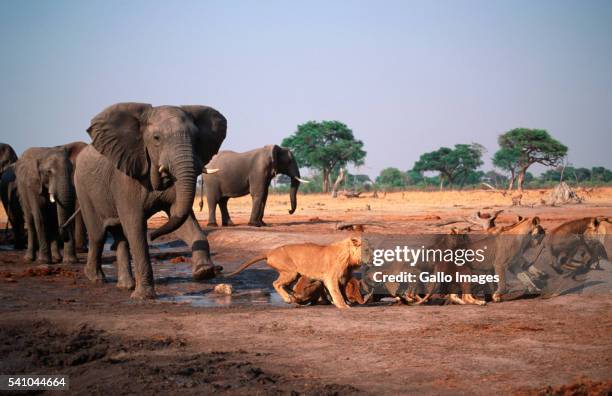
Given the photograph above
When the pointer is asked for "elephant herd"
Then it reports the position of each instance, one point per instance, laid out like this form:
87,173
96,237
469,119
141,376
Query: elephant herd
141,160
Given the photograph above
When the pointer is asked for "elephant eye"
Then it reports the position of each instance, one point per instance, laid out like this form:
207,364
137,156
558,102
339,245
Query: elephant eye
156,137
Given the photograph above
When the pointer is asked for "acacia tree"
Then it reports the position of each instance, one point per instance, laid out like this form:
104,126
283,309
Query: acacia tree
325,146
508,160
533,146
391,177
451,163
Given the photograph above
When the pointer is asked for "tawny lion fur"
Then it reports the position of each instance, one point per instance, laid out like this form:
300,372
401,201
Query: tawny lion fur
329,264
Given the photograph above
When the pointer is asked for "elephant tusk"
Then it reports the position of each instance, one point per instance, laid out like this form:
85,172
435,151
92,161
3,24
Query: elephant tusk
302,180
51,197
162,169
209,171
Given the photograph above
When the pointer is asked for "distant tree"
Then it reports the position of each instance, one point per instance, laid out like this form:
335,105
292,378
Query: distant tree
601,174
451,163
325,146
551,175
507,159
391,177
414,177
535,146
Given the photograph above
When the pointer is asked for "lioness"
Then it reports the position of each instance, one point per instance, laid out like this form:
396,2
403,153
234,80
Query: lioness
505,252
569,238
330,264
600,230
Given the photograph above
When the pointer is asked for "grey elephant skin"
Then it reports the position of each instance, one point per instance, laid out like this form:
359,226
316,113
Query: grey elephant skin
80,234
248,173
47,197
142,160
9,195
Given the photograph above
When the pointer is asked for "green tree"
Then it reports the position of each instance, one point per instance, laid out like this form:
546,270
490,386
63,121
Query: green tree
507,159
414,177
391,177
535,146
325,146
601,174
451,163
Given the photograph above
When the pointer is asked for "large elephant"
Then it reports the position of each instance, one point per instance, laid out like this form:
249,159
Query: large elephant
9,196
142,160
249,172
46,194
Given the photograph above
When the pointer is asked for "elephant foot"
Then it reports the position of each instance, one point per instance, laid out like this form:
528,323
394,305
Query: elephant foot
212,224
94,275
126,283
44,259
143,293
70,260
206,272
56,259
28,257
228,223
256,223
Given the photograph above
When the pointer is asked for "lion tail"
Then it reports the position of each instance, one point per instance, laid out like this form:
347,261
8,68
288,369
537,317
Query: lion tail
246,265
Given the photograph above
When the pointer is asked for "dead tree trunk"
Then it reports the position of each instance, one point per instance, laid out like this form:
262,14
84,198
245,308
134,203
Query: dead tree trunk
337,183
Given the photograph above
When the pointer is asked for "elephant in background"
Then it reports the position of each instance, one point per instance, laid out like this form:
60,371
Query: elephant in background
142,160
249,173
80,236
46,194
9,196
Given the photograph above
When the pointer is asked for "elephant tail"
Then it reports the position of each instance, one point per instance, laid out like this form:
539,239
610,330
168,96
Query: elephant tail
246,265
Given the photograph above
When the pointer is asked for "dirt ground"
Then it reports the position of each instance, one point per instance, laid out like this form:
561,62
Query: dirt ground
193,341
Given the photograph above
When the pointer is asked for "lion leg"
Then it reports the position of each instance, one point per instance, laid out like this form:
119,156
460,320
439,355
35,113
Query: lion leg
454,298
284,279
334,292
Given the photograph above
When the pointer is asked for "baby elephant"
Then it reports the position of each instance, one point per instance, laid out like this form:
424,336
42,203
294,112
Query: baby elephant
330,264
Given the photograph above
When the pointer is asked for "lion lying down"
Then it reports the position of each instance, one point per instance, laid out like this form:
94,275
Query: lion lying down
329,264
308,291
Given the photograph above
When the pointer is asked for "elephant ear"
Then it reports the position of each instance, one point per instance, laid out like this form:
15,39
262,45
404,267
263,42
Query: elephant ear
7,156
74,149
273,151
116,134
212,128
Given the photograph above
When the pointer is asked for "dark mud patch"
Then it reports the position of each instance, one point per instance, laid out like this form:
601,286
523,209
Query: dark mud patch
98,362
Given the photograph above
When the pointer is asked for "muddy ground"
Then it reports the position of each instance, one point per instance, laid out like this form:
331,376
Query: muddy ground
55,321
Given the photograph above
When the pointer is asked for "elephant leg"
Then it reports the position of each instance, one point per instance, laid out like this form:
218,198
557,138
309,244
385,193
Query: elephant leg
201,264
257,202
69,248
79,233
31,248
225,216
135,229
125,280
212,210
44,254
56,256
93,268
262,208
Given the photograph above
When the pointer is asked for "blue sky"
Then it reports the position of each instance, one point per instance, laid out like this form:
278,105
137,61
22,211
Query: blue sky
406,76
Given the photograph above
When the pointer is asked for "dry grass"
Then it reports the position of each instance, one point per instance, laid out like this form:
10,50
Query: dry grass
396,203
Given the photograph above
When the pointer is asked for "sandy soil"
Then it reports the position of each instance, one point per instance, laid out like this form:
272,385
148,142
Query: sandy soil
55,321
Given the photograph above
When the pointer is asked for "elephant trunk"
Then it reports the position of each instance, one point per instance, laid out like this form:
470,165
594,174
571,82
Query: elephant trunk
295,184
64,196
183,170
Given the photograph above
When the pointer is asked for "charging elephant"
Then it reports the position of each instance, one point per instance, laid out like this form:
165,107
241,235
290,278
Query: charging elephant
249,172
9,196
46,194
142,160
